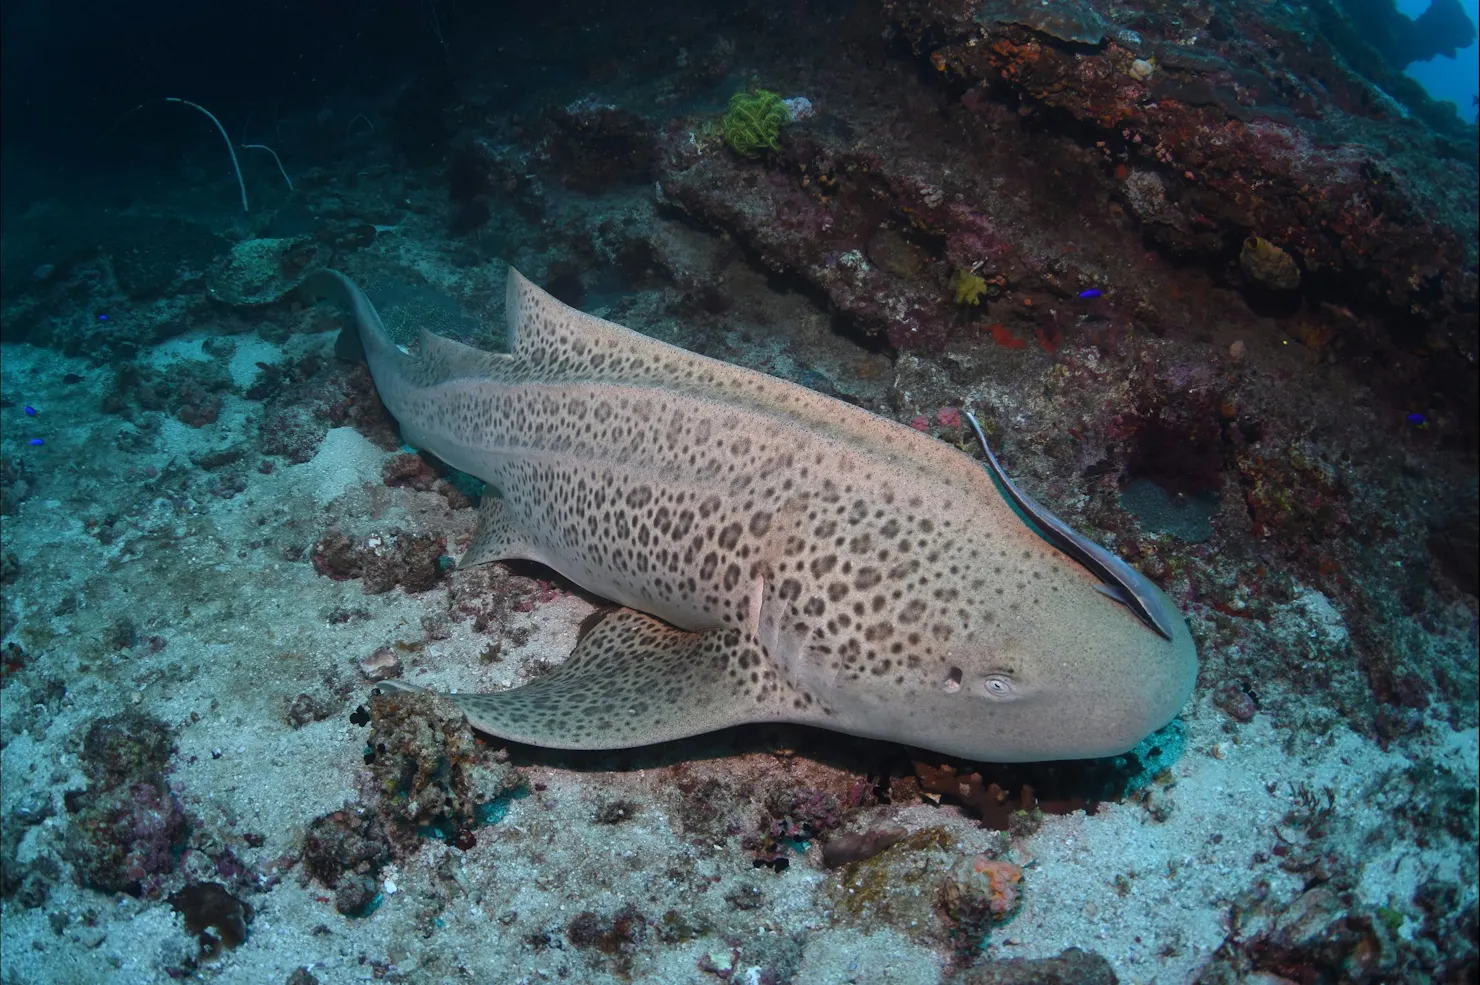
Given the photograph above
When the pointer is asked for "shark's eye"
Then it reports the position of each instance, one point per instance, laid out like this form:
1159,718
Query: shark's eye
997,686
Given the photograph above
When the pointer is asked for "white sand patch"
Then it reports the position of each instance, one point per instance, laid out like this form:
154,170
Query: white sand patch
345,459
181,348
884,956
250,350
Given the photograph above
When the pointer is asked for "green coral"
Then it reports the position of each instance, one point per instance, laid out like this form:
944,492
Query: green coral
969,287
754,122
897,887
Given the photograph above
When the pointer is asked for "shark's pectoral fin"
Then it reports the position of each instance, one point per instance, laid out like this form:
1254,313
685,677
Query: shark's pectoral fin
634,680
495,538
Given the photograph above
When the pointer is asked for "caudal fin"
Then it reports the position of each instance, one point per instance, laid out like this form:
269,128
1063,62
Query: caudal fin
367,332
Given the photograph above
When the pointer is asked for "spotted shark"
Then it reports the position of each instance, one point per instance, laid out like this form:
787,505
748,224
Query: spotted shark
777,555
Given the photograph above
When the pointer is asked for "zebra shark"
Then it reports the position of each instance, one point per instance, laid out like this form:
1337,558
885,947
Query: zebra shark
778,555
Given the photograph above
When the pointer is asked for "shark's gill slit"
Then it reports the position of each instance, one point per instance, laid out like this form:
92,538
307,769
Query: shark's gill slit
953,680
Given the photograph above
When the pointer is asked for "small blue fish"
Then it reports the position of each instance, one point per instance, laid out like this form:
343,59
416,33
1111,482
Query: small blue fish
30,411
1093,292
1418,420
35,442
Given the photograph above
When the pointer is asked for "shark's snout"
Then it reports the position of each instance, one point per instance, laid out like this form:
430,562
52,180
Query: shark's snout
1153,685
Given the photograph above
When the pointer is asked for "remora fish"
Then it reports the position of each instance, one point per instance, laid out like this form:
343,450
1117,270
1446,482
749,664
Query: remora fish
782,556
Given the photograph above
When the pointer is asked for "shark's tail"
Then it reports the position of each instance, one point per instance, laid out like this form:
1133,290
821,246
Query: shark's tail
365,339
397,373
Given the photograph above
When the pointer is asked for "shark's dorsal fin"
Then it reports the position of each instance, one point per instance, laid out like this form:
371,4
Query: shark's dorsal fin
441,359
561,341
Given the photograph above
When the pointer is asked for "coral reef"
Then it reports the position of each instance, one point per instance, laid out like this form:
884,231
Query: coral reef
15,484
412,561
1008,798
754,121
431,774
1073,965
1269,265
127,828
303,400
618,937
1318,936
489,597
192,396
1455,537
344,849
596,148
28,884
979,893
1363,229
207,907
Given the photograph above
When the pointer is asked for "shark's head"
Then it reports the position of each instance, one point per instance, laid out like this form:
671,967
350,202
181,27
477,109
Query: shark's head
1019,646
1089,681
1049,668
1082,679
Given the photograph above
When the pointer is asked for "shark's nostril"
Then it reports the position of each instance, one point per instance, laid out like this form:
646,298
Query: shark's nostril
953,680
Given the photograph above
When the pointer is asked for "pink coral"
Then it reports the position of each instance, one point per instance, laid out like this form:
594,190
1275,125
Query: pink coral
980,892
1001,883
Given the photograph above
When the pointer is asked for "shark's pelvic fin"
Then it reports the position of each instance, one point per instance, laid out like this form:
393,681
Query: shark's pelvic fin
495,539
631,681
